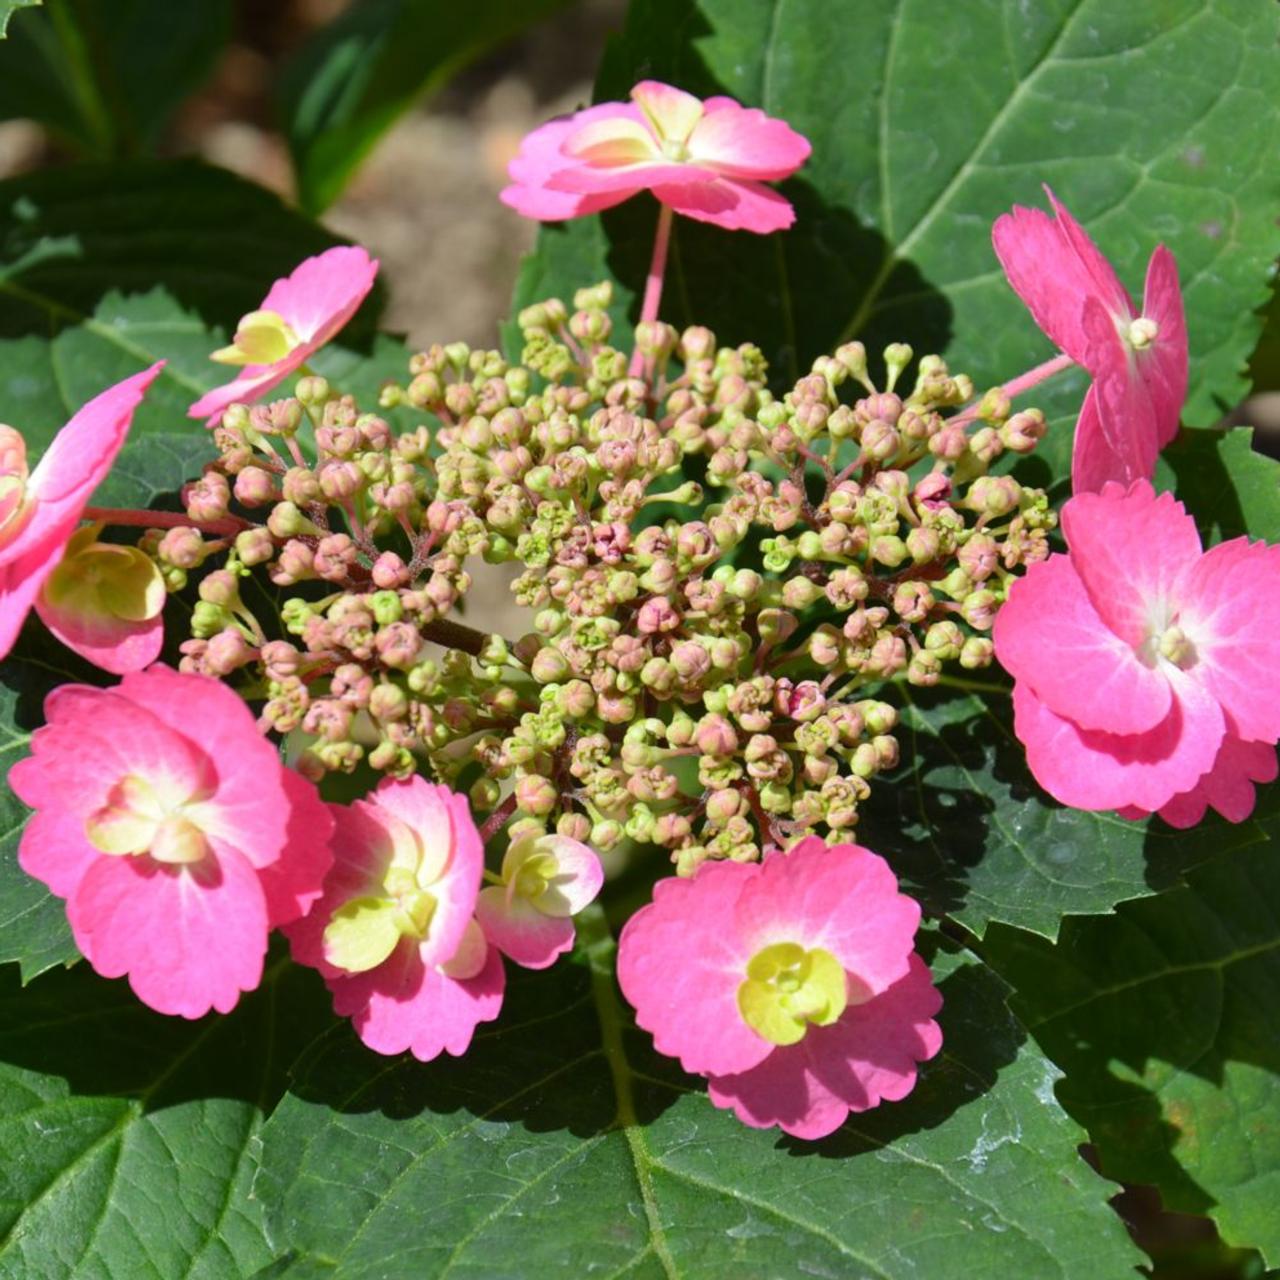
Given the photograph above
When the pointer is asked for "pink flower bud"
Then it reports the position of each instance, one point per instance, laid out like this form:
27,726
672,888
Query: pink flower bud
208,498
657,615
335,555
300,486
254,487
182,547
255,546
536,795
227,651
279,659
221,588
950,443
398,645
979,557
389,571
715,736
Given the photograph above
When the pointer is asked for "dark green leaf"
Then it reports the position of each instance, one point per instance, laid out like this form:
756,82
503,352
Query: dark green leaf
562,1145
8,8
969,830
1153,123
345,88
1229,487
1163,1018
130,1139
107,75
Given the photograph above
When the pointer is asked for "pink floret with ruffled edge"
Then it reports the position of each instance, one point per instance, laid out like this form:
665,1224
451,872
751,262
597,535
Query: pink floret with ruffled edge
603,155
682,958
190,938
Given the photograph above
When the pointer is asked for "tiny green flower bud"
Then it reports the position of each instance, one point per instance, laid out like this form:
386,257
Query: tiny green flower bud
386,607
978,652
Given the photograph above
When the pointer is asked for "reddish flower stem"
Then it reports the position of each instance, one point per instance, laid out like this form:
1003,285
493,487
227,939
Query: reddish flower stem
1023,382
653,284
498,818
165,520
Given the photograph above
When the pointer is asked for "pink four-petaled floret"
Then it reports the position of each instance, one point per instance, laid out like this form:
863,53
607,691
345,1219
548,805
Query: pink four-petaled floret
792,984
707,160
394,935
302,312
173,831
1142,661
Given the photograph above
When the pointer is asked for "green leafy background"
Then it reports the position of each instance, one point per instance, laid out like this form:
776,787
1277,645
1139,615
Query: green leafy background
1104,981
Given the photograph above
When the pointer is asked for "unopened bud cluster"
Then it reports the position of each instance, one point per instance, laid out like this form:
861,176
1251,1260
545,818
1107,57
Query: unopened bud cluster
707,664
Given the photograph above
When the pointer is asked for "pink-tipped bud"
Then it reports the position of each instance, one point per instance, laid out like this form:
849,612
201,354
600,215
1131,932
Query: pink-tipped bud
390,571
182,547
255,487
715,736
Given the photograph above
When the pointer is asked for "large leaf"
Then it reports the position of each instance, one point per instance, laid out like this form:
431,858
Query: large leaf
1163,1018
973,835
106,75
129,1139
1228,486
562,1145
215,242
1153,122
350,83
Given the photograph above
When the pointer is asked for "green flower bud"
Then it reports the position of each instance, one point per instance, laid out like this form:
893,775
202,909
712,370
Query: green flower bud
386,607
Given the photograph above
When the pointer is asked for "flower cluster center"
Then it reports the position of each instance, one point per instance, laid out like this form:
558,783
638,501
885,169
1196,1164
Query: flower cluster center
1142,332
262,337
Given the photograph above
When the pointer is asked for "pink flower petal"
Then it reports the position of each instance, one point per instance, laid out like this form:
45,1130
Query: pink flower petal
1164,366
743,142
842,898
555,206
1087,769
588,179
522,932
1095,462
1230,607
114,644
1227,787
672,111
734,205
1049,636
251,809
680,963
55,850
406,1005
867,1057
295,881
1091,262
1132,551
190,939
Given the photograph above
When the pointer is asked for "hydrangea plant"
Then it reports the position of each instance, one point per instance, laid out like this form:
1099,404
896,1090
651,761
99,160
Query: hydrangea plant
827,676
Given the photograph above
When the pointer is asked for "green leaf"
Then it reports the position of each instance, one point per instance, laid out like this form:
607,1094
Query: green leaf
350,83
561,1145
1153,123
107,75
1229,488
972,835
71,236
1162,1017
130,1139
8,8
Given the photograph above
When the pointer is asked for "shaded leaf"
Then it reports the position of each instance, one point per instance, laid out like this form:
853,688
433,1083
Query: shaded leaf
563,1144
8,8
130,1138
107,75
974,837
1161,1018
355,77
1229,487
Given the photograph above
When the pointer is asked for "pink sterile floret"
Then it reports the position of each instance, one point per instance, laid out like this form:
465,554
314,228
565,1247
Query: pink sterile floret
394,934
792,984
546,881
1142,662
39,512
1138,360
706,160
303,311
174,833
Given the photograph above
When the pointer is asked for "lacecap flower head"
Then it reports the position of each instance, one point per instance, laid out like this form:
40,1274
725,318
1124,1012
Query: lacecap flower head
1144,665
302,312
705,159
173,831
1138,360
792,984
110,615
394,935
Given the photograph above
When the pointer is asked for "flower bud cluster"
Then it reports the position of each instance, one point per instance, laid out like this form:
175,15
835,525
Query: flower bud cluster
708,664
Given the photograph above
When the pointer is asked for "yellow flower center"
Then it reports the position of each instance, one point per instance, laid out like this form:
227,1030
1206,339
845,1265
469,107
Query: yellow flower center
1142,333
1178,647
99,579
788,989
262,337
366,929
145,816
